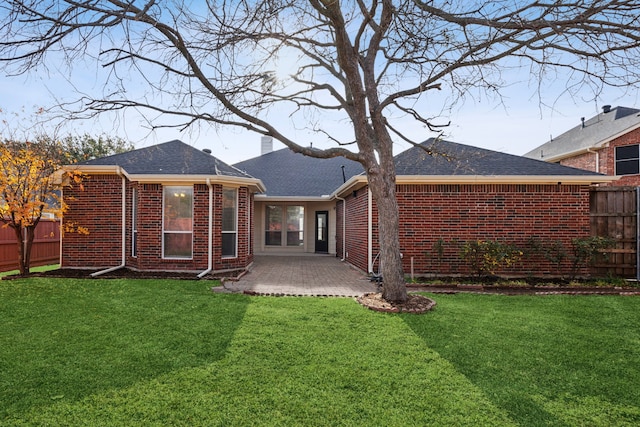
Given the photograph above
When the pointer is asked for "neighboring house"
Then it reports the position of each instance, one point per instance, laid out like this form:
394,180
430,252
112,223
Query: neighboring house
608,143
286,203
168,207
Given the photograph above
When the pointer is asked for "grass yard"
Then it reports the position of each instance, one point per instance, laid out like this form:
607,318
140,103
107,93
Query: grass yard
33,270
140,352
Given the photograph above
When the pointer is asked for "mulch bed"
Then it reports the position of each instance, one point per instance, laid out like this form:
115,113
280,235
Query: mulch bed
122,273
504,289
415,304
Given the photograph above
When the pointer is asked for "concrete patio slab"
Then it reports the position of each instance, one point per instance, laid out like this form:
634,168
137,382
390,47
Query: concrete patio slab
317,275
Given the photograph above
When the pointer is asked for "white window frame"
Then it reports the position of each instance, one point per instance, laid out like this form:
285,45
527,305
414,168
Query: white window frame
235,232
164,232
284,231
134,222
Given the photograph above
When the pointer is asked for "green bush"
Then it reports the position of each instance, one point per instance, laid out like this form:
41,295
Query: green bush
485,257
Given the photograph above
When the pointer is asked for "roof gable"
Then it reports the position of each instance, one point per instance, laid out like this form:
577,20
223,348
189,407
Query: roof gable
170,158
442,158
286,173
595,132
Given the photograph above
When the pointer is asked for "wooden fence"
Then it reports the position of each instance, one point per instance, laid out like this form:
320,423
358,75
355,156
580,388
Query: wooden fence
614,214
45,250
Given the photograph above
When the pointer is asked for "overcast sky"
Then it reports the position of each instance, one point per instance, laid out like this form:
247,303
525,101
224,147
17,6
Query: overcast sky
515,127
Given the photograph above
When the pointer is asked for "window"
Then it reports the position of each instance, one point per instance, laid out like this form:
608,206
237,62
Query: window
229,222
628,160
290,218
295,225
273,235
177,241
134,222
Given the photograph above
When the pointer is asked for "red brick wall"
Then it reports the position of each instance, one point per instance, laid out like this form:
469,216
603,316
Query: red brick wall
355,251
98,208
456,213
586,161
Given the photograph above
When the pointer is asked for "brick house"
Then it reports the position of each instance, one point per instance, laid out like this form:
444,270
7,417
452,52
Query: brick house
172,207
461,193
168,207
608,143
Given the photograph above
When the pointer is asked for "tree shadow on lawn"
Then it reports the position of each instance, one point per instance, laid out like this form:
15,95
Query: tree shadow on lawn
67,339
300,361
542,358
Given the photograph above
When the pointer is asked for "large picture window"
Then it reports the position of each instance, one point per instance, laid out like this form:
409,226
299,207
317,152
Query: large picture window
284,225
229,222
628,160
177,233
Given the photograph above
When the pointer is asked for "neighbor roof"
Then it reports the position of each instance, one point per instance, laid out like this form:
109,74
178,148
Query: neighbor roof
170,158
288,174
596,132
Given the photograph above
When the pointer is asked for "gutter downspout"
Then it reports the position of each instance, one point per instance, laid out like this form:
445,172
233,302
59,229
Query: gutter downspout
344,227
124,227
210,242
369,231
597,153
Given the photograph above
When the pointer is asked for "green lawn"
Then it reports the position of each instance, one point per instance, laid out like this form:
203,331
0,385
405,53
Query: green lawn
32,269
115,352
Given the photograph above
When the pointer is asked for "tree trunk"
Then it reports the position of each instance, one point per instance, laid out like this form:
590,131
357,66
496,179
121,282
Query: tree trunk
383,189
21,252
28,244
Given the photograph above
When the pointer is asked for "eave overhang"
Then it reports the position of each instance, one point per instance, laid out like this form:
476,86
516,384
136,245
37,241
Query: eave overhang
584,150
291,199
358,182
253,184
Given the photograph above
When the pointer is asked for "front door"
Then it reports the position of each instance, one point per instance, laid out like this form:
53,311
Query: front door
322,231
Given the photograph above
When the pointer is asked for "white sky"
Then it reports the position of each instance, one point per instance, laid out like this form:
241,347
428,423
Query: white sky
516,127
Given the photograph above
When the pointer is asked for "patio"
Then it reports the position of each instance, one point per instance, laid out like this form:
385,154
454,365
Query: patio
317,275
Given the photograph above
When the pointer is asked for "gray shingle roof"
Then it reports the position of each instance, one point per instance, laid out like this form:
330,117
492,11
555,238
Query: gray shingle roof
170,158
450,158
596,130
285,173
288,174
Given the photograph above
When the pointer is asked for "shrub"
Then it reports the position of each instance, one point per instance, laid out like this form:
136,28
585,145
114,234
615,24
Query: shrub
585,250
553,251
485,257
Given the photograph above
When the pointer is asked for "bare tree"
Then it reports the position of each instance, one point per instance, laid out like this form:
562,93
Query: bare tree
362,62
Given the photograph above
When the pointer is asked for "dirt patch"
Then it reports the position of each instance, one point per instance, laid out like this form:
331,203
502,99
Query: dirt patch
416,304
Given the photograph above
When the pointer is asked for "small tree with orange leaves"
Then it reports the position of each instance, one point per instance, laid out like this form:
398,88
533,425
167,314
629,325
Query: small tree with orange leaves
28,188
